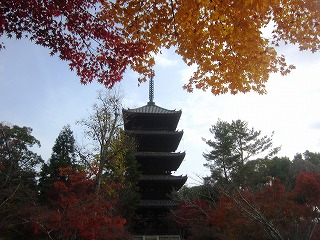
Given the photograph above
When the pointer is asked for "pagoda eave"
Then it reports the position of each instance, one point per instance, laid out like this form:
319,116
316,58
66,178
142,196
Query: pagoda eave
151,117
150,109
158,204
154,162
162,178
160,155
168,182
154,133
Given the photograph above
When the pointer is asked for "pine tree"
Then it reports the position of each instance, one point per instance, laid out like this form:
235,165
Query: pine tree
235,144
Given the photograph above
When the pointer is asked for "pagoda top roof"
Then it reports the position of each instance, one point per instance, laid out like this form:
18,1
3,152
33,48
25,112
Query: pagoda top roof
151,108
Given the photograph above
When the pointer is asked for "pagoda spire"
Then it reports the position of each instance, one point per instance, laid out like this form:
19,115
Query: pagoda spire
151,90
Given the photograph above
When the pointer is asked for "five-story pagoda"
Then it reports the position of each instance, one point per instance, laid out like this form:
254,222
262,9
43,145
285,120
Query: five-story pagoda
154,129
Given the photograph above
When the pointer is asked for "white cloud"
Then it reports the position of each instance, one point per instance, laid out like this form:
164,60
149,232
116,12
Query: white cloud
163,59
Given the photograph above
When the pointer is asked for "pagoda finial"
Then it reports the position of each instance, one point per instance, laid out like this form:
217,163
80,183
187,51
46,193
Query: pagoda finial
151,90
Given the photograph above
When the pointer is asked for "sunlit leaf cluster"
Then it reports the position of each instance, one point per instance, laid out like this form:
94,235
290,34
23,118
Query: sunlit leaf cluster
224,40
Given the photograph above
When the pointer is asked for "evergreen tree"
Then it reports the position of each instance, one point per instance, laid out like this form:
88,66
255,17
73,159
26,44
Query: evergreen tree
63,155
63,152
221,160
256,174
234,144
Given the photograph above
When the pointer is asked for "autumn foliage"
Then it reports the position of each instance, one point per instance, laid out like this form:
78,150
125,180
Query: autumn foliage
78,212
59,199
272,213
192,212
224,40
307,189
75,30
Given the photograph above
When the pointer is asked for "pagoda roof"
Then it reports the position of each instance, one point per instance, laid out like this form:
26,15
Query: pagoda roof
160,154
157,187
158,203
163,178
154,132
151,117
159,162
151,108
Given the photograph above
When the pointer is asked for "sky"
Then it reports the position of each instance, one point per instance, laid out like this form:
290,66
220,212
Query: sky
40,92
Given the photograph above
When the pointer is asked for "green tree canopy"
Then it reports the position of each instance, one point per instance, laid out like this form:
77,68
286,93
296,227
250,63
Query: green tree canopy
63,155
258,173
18,174
233,145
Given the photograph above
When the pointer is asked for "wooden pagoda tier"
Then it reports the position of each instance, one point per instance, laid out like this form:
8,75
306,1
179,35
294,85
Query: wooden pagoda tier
156,141
154,129
159,162
157,187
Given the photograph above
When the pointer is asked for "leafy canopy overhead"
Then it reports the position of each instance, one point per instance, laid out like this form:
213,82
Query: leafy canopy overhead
223,39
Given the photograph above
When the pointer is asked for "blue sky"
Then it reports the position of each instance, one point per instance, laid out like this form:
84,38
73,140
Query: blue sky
40,92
